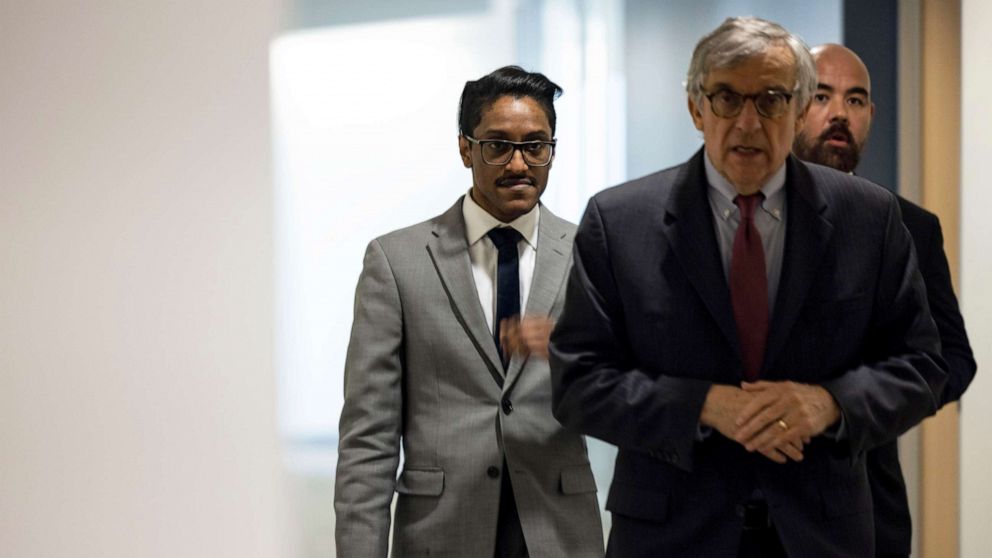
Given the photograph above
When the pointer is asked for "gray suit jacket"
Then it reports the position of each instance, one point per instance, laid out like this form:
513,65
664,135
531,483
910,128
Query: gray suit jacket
423,372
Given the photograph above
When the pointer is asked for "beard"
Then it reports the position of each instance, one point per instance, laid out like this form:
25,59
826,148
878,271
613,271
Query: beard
817,151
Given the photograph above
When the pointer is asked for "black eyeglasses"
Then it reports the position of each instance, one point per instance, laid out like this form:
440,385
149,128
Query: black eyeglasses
727,103
499,152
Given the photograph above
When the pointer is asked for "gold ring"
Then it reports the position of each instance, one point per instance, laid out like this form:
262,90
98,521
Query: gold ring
783,424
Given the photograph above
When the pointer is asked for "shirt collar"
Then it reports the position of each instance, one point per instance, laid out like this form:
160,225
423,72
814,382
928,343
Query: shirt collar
722,192
478,222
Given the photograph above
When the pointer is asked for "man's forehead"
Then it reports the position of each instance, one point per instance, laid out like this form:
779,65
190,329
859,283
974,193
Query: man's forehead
513,112
752,86
835,87
839,67
772,69
839,80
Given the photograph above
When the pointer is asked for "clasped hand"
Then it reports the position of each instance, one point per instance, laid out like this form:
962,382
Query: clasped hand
775,419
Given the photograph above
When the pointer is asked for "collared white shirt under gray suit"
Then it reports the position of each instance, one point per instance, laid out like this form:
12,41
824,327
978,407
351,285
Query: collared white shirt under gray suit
423,373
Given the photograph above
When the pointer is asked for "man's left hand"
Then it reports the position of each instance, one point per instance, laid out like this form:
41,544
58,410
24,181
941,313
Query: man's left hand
783,414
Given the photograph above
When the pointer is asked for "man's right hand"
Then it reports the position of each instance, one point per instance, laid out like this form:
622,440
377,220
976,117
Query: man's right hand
528,335
721,409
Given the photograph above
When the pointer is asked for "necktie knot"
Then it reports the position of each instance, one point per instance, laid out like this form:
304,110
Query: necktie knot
504,236
748,204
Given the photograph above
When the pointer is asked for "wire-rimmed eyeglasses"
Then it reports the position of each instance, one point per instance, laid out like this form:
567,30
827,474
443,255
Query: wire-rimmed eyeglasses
538,153
727,103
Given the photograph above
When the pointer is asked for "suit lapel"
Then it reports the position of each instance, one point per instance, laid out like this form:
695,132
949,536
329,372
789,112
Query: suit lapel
688,224
448,250
551,264
806,239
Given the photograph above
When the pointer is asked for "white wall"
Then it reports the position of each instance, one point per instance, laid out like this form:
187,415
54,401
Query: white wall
136,363
976,276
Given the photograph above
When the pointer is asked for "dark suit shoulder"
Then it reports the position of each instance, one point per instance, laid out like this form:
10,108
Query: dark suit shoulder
842,188
635,189
916,218
643,197
848,202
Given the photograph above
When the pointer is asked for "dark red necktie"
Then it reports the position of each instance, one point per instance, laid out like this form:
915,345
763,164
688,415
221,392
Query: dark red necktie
749,287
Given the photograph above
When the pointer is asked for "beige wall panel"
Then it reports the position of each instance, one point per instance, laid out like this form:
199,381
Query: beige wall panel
136,380
940,127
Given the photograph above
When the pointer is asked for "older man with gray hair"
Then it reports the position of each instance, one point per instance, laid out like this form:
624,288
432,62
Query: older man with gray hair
744,327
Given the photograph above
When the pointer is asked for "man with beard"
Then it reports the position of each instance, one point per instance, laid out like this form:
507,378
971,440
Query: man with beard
834,134
840,115
441,366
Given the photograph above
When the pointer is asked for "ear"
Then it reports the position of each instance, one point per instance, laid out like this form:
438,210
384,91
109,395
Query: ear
697,115
465,150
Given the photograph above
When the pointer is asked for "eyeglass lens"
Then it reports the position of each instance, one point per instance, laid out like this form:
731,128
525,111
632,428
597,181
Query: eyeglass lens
728,104
497,152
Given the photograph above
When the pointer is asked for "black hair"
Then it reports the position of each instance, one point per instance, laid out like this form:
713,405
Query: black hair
508,80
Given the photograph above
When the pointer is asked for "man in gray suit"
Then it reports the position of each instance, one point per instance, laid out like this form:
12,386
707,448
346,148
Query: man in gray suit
441,364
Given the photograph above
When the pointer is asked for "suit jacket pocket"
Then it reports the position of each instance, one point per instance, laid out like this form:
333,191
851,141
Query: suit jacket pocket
421,482
577,479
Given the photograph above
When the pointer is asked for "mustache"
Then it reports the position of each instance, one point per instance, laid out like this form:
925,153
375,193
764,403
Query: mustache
838,129
511,179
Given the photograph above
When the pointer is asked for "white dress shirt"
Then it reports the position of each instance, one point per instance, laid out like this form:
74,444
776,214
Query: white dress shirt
483,253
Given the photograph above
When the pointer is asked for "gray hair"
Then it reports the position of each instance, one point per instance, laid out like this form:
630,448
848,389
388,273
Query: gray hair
739,38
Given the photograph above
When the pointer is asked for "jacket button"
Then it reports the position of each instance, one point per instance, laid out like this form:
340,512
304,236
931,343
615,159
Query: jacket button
493,471
507,406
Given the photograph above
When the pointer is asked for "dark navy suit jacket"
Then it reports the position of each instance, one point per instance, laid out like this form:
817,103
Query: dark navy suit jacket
893,525
648,328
